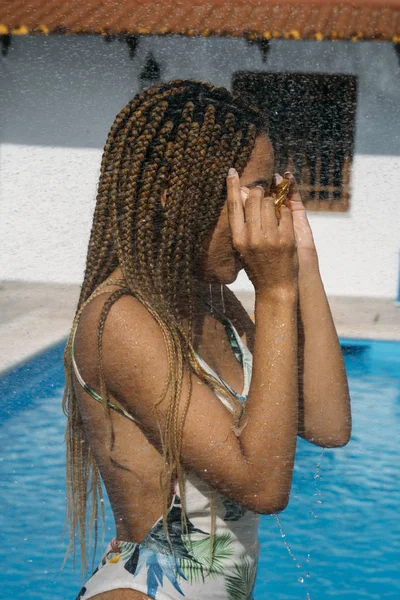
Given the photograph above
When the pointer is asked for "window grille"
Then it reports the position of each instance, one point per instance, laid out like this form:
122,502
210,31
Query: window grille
311,126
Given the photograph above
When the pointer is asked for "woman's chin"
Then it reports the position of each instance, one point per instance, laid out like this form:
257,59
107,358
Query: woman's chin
226,272
234,269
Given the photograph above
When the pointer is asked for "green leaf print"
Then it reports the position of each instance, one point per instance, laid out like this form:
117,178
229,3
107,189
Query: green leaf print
200,550
240,584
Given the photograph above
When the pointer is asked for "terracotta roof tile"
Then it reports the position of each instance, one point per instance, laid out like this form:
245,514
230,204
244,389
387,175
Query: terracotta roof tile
310,19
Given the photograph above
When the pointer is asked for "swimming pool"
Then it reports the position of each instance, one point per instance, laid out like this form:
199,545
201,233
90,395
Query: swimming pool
341,528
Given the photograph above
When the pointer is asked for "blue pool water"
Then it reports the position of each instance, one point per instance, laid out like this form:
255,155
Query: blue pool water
341,529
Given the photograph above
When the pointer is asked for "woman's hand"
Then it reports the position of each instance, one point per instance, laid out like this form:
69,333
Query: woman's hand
267,248
302,229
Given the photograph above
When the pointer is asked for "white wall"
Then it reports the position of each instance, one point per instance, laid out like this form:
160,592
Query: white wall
59,96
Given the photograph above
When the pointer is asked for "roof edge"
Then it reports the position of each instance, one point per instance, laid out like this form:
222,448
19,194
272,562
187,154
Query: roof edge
292,34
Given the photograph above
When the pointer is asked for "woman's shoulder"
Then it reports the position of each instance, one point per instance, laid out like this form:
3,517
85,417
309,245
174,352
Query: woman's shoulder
87,327
91,313
133,312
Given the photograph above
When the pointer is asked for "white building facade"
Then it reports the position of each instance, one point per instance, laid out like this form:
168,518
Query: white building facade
60,94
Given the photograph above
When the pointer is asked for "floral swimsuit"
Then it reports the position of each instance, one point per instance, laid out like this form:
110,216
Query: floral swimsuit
188,572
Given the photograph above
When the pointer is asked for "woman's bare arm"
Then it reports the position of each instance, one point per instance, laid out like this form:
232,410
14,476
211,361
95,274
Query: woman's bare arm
255,469
324,399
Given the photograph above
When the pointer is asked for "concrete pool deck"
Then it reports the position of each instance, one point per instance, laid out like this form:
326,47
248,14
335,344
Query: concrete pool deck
36,316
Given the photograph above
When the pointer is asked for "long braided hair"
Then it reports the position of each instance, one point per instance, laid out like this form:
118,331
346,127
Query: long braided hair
181,136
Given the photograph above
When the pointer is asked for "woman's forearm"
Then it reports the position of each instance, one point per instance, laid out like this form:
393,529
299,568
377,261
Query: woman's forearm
324,400
268,441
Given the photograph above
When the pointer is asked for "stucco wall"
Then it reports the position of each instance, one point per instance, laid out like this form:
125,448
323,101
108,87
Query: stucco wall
59,96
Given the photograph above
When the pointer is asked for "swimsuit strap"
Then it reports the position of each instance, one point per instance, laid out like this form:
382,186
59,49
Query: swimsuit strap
109,281
241,352
237,345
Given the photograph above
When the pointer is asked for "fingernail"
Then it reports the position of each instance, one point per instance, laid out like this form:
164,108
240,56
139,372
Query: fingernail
244,194
278,178
232,172
287,173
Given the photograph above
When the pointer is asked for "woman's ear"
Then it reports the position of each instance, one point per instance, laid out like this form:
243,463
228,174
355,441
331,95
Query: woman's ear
164,198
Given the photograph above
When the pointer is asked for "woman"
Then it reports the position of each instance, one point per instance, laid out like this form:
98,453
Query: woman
198,409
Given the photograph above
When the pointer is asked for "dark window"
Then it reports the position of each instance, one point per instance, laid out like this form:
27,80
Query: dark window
312,125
